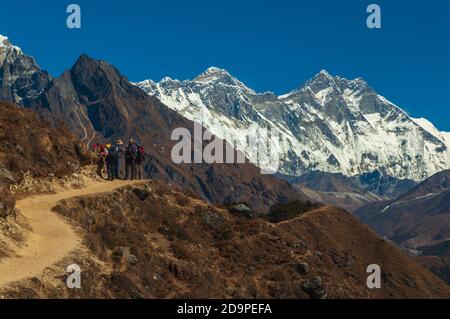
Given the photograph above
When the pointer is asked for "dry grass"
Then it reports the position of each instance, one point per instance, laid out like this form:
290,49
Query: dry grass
158,248
28,144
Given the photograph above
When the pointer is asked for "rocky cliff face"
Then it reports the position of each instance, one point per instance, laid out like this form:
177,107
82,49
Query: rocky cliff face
330,124
96,102
21,79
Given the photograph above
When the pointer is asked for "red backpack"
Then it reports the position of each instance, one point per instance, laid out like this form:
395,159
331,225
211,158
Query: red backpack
141,154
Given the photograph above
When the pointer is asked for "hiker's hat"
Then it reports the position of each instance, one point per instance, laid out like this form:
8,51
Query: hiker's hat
119,142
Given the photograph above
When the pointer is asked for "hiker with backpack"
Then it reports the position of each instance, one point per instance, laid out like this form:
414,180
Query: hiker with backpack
131,153
140,162
108,161
101,152
114,155
96,150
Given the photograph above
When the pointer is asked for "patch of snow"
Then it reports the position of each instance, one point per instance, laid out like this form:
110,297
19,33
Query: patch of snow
385,209
322,96
4,43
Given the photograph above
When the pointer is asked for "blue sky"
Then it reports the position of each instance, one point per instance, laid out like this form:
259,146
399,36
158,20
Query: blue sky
271,45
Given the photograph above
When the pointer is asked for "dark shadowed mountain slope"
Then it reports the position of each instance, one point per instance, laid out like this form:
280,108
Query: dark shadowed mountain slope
324,182
375,183
348,201
420,217
435,184
350,193
98,103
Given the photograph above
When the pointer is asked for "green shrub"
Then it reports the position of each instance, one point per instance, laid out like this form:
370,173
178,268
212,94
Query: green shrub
282,212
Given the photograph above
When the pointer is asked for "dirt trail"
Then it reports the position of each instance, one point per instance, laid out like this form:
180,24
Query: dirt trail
51,238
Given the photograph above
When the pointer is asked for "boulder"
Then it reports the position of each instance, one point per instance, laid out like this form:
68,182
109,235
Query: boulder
142,194
302,268
213,220
243,210
315,288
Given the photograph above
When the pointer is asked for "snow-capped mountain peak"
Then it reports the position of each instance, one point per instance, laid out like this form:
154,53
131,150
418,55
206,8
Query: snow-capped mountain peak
167,79
146,83
21,79
325,73
6,44
330,124
212,74
217,76
3,40
321,81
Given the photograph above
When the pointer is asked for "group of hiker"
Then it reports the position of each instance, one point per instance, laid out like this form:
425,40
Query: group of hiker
110,157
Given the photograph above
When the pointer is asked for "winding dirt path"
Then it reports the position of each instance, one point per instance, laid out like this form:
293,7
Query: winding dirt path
51,237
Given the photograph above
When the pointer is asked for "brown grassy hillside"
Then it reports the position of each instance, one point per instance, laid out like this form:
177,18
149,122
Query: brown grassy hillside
158,242
440,266
28,144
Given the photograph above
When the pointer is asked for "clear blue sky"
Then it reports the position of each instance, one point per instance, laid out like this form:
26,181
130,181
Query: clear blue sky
271,45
